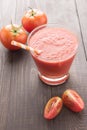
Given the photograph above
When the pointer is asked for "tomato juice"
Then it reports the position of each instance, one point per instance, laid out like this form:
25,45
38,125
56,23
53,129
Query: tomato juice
58,47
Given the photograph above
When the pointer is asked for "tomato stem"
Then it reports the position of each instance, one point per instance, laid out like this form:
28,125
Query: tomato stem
15,29
33,13
12,24
30,8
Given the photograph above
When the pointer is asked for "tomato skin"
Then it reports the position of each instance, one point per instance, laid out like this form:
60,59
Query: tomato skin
72,100
30,22
53,108
6,36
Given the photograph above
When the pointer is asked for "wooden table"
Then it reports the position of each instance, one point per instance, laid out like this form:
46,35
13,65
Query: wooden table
22,95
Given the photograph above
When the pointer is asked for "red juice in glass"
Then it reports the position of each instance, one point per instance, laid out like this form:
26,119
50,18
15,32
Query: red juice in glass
58,47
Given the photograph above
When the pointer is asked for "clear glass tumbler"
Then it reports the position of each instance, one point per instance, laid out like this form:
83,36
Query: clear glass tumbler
58,48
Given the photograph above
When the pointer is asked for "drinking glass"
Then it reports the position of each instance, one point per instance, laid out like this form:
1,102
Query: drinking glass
55,71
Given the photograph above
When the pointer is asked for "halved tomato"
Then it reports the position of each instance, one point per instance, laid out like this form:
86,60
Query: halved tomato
53,107
72,100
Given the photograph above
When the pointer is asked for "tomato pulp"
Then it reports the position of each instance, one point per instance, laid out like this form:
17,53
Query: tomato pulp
58,47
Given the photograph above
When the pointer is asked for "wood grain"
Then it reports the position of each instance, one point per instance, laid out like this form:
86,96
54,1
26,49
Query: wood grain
22,94
82,17
6,13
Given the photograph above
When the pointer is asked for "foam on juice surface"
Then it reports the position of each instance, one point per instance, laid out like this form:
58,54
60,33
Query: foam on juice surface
57,44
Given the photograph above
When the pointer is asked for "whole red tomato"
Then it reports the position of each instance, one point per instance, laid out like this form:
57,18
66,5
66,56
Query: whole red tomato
33,18
12,32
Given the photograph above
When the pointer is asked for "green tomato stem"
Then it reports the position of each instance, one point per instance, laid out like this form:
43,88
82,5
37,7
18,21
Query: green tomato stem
33,13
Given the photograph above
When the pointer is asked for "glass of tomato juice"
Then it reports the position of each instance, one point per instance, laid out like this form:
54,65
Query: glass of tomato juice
58,48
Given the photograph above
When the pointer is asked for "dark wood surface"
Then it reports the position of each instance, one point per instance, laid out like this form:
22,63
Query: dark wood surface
22,95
